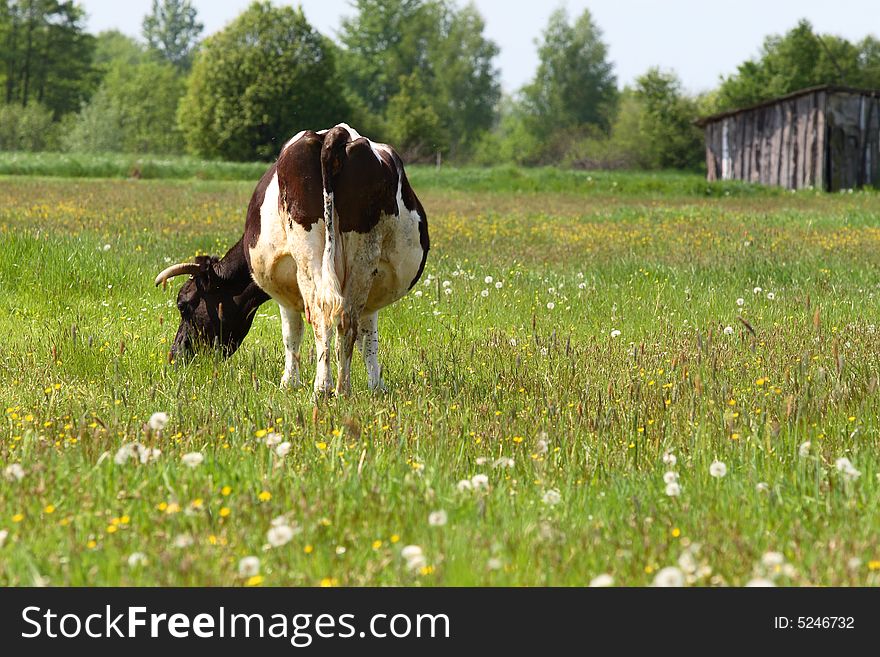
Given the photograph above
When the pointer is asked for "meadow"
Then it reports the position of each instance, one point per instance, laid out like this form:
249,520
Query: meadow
634,378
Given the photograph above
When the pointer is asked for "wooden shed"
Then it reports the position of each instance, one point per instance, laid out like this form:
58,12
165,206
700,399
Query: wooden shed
824,137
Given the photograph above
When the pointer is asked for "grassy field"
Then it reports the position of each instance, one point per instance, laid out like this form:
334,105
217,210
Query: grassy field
570,332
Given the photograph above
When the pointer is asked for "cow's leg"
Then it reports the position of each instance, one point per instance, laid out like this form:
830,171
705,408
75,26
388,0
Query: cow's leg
323,329
292,333
346,334
368,343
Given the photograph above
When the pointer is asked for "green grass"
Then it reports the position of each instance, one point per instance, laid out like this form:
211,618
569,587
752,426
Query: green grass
503,178
472,380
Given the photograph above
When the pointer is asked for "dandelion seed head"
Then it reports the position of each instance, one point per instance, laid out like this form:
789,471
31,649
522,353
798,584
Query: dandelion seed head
669,577
249,566
718,469
158,421
602,581
192,459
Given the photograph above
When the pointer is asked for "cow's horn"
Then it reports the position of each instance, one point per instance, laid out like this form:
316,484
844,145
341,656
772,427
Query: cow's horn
177,270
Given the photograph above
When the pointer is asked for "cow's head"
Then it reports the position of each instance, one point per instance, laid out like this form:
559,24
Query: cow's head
213,309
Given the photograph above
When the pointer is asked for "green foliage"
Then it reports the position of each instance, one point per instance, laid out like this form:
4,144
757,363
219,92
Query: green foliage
27,128
574,84
134,111
798,59
172,30
413,124
46,55
261,79
389,44
666,125
113,46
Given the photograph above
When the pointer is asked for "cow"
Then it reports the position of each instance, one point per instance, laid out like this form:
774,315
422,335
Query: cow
333,231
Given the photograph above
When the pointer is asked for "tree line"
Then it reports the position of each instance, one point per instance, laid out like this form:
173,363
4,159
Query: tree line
420,74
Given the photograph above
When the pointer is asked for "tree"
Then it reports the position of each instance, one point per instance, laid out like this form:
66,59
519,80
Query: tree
389,43
413,125
261,79
575,83
798,59
133,111
172,30
666,122
113,46
46,54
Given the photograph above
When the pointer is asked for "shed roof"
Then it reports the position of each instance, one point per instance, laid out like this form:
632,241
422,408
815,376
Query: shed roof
829,88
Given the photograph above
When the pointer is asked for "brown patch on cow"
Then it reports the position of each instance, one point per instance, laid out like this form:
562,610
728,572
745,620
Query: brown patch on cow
364,188
300,186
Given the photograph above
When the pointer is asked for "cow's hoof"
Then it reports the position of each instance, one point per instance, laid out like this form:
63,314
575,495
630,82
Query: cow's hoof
290,382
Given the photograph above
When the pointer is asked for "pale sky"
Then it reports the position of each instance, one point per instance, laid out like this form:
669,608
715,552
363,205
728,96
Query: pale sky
699,39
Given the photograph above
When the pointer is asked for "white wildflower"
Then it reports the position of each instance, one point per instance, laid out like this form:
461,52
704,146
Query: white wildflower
740,302
669,577
499,285
669,459
484,293
762,487
148,454
847,469
124,453
480,481
615,333
283,449
437,518
488,280
136,559
464,485
670,477
503,462
272,439
279,535
728,330
158,421
183,541
772,559
494,563
192,459
14,472
804,449
673,489
759,582
757,290
447,283
718,469
3,534
551,497
771,296
550,305
602,581
249,566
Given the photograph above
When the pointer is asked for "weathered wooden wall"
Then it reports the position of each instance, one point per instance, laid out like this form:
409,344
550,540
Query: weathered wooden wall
779,144
828,139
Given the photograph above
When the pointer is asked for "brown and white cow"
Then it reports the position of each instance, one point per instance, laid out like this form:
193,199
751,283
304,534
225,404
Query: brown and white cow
333,230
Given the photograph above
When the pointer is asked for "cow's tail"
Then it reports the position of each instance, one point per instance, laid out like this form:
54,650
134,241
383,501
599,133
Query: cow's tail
333,262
